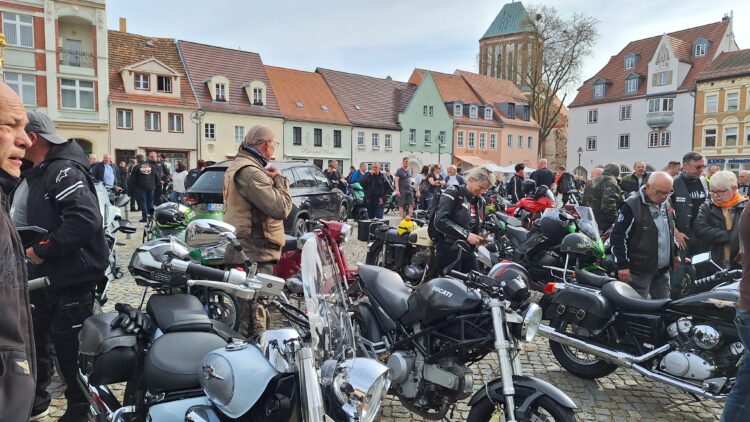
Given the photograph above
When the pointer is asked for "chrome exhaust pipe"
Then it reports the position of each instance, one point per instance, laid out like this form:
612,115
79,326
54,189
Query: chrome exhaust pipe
690,388
612,356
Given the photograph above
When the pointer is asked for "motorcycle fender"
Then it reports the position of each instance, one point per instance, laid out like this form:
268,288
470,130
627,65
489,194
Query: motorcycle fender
175,410
368,315
539,387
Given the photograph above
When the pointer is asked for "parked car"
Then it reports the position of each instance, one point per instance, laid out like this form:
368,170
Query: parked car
314,197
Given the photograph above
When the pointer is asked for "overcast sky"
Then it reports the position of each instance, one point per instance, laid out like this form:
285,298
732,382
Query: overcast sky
392,37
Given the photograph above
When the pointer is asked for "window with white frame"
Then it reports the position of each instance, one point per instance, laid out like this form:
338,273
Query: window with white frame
430,111
709,137
428,137
441,137
175,123
387,141
664,78
164,84
361,139
730,137
493,141
424,110
483,140
660,104
221,92
599,90
153,121
629,61
531,142
631,85
375,141
653,139
624,141
473,111
712,103
733,101
625,112
666,139
239,133
458,110
258,96
460,139
593,115
18,29
77,94
412,136
700,49
142,81
209,130
591,143
510,141
472,140
124,119
24,85
318,138
520,141
487,113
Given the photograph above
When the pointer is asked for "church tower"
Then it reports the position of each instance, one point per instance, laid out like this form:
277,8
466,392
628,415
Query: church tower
504,47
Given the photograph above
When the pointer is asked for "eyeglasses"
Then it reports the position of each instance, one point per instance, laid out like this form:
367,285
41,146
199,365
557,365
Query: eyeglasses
718,192
662,193
275,143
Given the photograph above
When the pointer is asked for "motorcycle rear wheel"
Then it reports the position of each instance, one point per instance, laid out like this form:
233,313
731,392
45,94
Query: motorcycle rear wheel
545,409
589,368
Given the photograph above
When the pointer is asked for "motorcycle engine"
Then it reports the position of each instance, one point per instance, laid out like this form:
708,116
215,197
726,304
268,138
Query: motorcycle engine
700,351
419,261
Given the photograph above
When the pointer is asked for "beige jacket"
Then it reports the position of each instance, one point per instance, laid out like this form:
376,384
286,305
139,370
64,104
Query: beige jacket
256,205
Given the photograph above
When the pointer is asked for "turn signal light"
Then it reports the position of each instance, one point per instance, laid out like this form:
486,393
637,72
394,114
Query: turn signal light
550,288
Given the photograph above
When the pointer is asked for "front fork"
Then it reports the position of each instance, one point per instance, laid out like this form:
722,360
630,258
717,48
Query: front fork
310,388
503,347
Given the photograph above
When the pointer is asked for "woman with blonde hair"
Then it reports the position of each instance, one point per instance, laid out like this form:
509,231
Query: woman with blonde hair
717,223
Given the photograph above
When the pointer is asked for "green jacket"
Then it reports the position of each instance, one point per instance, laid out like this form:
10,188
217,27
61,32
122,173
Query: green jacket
604,196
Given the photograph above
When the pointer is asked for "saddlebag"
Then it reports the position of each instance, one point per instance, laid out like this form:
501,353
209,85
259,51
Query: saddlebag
584,308
107,355
366,228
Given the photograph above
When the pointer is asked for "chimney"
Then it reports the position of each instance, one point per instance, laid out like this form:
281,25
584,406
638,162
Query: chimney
123,25
388,78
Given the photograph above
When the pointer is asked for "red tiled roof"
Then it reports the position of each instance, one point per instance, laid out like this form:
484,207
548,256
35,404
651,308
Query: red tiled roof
308,89
493,91
614,71
368,101
128,49
734,63
205,61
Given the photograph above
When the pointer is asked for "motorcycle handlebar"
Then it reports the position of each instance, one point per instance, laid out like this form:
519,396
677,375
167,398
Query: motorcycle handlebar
207,273
701,282
38,283
459,275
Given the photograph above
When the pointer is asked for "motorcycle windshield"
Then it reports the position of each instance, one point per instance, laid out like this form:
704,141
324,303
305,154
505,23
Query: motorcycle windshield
587,223
331,332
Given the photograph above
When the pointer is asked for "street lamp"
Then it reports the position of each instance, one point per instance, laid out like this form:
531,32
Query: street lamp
580,151
197,118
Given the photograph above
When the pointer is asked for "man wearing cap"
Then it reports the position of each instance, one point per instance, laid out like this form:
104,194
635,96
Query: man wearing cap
256,201
73,256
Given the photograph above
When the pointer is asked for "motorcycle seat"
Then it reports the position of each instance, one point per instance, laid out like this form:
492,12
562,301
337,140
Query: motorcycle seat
518,233
508,219
592,280
174,360
387,288
290,244
392,236
178,312
624,297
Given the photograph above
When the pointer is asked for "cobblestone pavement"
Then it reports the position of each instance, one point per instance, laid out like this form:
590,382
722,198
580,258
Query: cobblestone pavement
622,396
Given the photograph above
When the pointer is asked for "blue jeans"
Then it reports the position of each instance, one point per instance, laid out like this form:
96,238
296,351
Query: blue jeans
375,209
145,199
175,197
737,407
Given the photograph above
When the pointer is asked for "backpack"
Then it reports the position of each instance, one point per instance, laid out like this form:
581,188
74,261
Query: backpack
432,231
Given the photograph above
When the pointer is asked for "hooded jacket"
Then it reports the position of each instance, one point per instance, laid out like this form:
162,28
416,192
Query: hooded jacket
63,198
17,360
604,196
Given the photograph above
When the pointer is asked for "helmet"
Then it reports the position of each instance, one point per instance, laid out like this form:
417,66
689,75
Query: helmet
170,214
406,226
540,192
552,226
529,186
146,264
577,244
513,279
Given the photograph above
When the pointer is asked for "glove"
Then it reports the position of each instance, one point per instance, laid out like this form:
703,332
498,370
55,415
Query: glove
132,320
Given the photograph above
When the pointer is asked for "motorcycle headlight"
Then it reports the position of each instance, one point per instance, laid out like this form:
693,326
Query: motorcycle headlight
532,318
213,252
346,233
360,384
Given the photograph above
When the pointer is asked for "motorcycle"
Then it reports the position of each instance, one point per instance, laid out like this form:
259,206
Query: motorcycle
390,204
357,209
601,324
432,334
409,254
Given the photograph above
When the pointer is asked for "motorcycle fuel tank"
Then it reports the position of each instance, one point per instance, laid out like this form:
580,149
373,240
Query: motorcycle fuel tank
714,304
439,298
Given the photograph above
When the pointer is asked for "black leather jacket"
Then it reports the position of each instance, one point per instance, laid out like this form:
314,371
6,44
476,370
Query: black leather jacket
710,227
453,219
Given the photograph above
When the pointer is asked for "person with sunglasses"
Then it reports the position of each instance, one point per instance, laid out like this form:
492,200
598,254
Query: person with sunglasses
718,219
645,223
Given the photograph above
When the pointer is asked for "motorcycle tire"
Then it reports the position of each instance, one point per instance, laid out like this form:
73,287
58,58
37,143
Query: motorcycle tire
375,257
362,214
489,410
592,370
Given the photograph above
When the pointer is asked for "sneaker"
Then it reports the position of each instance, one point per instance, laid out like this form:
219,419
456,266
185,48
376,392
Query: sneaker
40,415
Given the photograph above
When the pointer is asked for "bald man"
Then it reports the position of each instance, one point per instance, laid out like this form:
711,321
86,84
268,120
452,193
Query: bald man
17,369
644,225
744,182
106,171
633,182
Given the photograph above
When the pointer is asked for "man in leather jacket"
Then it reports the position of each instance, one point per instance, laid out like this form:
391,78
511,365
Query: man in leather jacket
459,216
690,191
73,256
17,370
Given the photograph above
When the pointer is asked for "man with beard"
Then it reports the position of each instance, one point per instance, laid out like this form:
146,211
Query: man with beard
162,176
690,191
142,183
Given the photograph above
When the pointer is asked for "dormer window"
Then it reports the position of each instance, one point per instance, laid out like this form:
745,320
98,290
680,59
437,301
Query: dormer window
487,113
631,83
599,89
458,110
141,81
221,92
631,59
700,46
258,96
164,84
511,111
473,111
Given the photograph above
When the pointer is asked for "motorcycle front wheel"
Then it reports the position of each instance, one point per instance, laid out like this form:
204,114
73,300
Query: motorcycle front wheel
543,409
222,307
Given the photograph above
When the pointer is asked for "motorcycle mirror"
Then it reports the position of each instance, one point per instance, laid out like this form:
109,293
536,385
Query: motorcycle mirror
203,232
31,234
701,258
122,200
126,227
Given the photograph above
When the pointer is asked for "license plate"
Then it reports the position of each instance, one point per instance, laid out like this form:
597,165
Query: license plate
215,207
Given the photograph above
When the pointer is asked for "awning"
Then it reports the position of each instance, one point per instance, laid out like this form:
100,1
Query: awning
473,160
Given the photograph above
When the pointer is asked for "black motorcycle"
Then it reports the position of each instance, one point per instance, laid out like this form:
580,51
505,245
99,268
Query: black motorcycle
409,254
431,335
600,324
